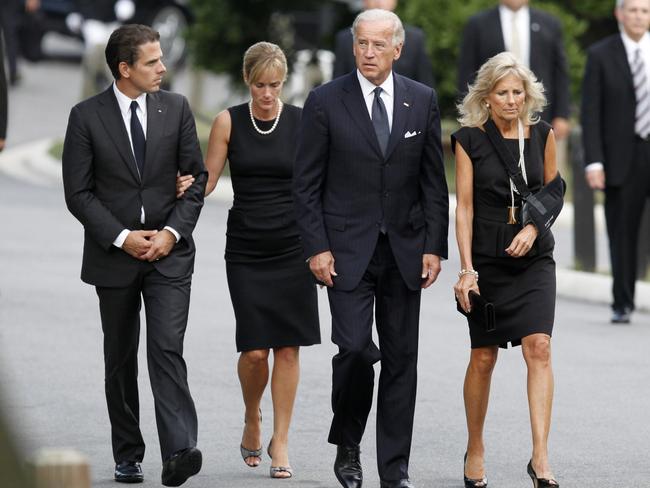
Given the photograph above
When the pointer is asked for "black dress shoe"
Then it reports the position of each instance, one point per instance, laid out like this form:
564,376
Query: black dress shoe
347,466
403,483
621,316
128,472
180,466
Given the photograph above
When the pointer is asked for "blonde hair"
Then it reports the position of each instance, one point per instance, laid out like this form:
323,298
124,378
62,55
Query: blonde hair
473,109
261,58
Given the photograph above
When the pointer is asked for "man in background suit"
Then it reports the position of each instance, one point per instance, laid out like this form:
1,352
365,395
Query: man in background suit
372,207
123,149
413,63
616,133
535,37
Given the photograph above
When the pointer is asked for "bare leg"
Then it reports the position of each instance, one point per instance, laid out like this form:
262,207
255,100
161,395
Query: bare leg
253,370
537,353
284,383
476,392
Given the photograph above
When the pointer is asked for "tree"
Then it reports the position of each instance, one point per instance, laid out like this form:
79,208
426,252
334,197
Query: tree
224,29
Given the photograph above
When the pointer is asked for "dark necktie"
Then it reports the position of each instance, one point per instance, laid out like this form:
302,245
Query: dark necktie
137,138
380,120
642,116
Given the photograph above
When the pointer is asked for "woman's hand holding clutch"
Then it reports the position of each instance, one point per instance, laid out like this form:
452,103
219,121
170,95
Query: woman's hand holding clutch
466,281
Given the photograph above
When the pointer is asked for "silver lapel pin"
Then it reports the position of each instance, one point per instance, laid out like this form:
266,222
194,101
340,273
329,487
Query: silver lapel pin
406,104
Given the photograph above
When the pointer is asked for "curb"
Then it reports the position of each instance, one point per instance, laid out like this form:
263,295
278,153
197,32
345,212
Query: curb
593,287
32,163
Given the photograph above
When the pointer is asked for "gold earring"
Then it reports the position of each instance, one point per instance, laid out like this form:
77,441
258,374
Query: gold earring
487,105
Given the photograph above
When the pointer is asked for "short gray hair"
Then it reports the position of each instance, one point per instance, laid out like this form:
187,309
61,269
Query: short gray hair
473,110
379,15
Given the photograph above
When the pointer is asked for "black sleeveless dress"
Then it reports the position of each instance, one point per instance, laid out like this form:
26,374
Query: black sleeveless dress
271,288
522,289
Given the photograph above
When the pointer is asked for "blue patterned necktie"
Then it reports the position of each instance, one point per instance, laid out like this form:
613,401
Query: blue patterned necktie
380,120
137,138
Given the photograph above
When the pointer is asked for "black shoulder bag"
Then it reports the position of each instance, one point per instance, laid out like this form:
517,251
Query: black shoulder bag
541,208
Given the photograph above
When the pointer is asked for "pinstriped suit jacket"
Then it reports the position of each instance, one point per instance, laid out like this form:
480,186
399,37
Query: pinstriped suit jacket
344,186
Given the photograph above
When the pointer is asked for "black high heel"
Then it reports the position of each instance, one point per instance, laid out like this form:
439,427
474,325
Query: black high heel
470,483
540,482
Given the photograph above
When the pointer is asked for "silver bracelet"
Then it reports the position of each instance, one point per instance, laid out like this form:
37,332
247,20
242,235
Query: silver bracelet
464,272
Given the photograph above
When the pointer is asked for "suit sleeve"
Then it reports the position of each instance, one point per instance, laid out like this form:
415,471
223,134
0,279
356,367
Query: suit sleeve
423,63
591,111
433,186
560,77
186,212
342,54
309,176
468,61
79,184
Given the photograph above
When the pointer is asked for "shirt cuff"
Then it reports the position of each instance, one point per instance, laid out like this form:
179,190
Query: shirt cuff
594,166
173,231
119,241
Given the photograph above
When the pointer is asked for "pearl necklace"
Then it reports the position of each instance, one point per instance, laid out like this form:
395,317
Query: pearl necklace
275,123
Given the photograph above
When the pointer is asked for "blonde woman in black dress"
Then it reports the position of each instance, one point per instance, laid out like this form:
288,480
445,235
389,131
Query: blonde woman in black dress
515,264
272,292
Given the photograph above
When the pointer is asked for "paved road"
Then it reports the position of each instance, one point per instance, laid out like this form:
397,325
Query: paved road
51,371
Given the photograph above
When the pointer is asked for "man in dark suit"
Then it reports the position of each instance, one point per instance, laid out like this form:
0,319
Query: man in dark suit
123,149
372,206
535,37
616,133
413,63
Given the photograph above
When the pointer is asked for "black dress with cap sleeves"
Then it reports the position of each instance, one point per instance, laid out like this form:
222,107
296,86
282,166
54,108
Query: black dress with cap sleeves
522,289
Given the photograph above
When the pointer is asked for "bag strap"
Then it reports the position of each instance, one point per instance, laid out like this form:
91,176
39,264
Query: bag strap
512,168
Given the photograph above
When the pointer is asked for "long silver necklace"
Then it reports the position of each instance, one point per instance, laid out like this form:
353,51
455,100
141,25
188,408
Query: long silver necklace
275,123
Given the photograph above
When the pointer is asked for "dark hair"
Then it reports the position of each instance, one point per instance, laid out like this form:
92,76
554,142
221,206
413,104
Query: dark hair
124,44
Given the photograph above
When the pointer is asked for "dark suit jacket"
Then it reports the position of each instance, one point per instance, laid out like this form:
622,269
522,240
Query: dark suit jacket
483,38
608,109
413,63
343,184
104,192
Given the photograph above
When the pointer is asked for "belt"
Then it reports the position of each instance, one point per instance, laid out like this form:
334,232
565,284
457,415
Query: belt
495,214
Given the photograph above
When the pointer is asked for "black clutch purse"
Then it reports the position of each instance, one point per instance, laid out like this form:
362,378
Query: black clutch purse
482,311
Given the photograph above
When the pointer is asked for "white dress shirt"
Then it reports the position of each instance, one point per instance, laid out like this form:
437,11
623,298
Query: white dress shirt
124,103
630,50
522,21
387,95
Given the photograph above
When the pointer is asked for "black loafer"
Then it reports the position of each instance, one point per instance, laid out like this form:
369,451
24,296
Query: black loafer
403,483
128,472
183,464
347,466
621,316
